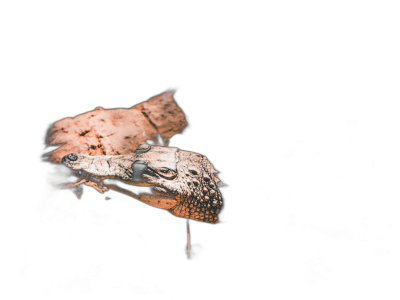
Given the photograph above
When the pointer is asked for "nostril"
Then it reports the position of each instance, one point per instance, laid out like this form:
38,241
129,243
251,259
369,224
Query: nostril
72,156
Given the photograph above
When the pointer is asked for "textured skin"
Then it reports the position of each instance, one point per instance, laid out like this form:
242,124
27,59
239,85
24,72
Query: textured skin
186,178
197,188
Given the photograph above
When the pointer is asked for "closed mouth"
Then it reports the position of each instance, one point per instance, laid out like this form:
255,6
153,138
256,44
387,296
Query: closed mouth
128,187
119,186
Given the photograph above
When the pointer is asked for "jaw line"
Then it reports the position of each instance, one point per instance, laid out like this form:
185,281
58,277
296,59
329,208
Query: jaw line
152,199
163,202
117,188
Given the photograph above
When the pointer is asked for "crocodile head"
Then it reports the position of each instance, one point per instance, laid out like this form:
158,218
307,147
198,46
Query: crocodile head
187,177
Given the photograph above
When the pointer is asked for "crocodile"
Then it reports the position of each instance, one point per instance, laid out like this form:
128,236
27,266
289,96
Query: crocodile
184,182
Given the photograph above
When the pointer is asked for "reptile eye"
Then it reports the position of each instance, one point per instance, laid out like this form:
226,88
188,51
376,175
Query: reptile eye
72,156
164,171
139,165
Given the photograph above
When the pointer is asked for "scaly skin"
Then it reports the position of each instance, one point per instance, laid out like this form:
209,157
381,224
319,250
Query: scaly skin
185,182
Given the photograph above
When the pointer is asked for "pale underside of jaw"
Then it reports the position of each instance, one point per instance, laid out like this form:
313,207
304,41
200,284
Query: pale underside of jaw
158,197
158,201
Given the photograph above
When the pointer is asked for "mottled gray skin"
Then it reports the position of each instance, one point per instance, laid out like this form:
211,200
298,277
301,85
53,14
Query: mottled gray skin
186,176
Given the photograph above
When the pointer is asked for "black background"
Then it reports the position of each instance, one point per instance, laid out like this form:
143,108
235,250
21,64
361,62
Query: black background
302,133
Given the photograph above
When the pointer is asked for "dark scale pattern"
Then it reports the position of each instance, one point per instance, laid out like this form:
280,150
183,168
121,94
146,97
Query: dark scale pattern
200,198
